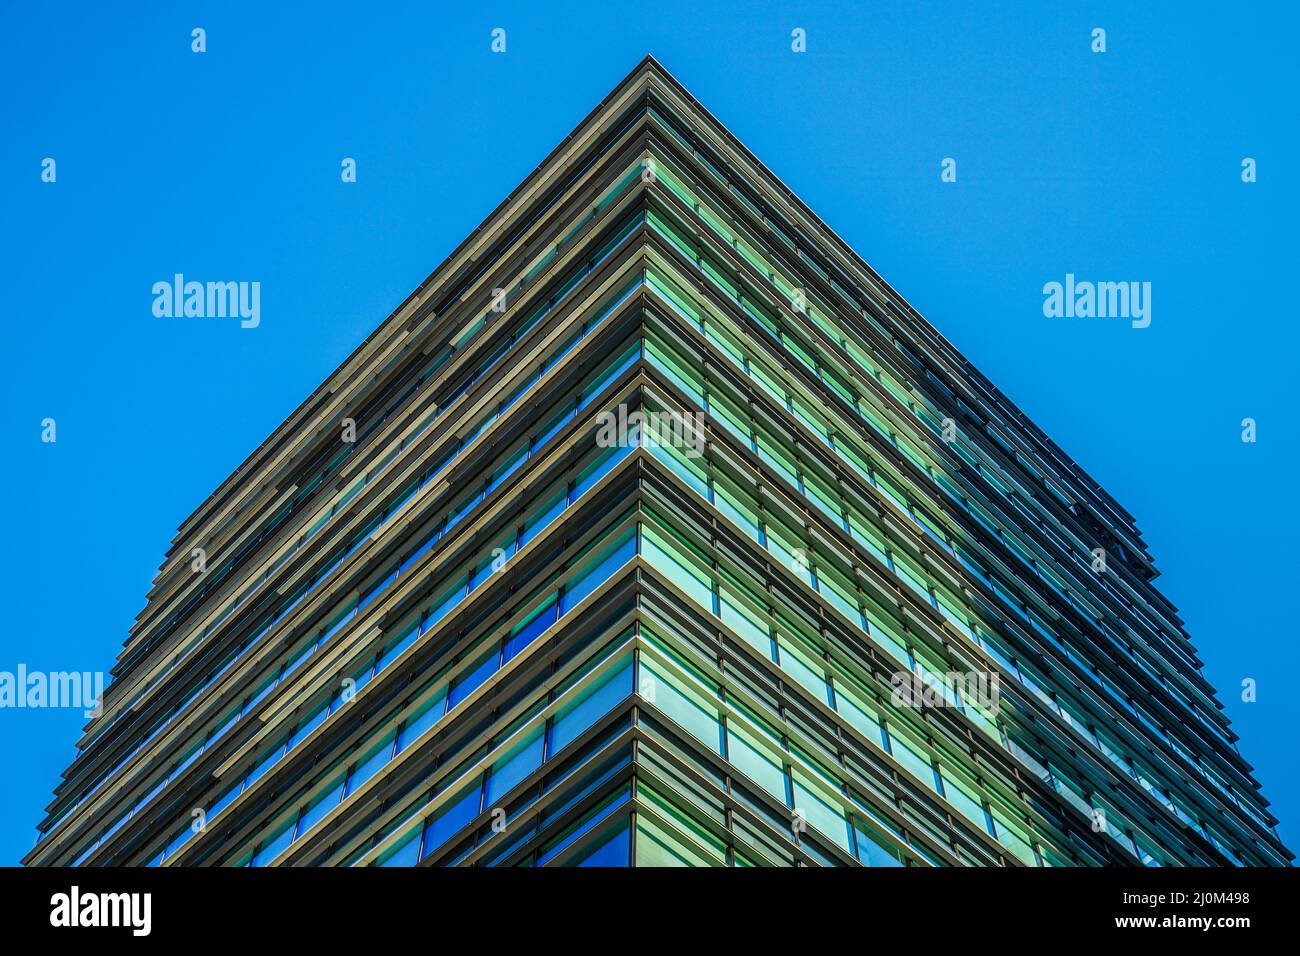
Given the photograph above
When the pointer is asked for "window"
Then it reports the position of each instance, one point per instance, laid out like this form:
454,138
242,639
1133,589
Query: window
598,572
577,716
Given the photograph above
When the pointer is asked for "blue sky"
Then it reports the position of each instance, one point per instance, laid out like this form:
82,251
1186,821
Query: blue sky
225,165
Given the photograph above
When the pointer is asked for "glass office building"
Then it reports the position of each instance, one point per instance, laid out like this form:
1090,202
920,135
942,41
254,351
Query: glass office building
655,528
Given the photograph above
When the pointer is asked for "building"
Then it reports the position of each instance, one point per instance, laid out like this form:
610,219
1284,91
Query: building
654,527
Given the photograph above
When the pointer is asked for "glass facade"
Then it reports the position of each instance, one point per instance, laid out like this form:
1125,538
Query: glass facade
474,629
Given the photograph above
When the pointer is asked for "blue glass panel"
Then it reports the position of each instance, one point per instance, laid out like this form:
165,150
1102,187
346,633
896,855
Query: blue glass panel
440,610
337,626
369,768
395,650
263,767
616,851
595,473
484,572
540,442
326,804
408,854
440,829
575,591
509,771
541,521
226,800
273,849
420,724
599,702
377,589
307,727
587,825
529,632
870,853
464,686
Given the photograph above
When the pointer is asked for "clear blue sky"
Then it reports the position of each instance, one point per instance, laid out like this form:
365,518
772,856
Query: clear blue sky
225,165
